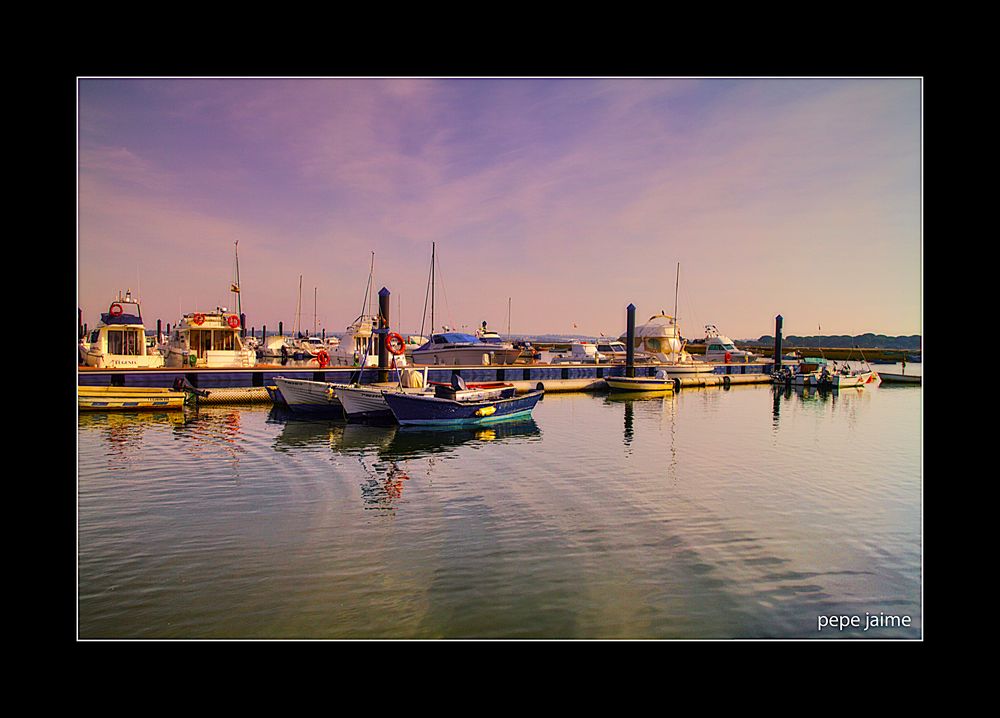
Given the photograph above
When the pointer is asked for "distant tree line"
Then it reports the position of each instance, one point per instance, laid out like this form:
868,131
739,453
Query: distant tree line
865,341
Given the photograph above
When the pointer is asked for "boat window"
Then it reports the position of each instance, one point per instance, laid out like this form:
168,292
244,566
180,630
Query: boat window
223,340
125,342
716,348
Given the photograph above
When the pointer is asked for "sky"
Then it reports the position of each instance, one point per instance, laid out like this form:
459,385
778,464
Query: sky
565,199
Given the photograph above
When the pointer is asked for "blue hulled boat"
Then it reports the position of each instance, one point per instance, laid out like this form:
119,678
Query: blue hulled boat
459,404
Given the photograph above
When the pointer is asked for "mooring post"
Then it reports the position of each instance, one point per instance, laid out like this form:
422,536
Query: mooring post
159,332
79,323
243,325
630,344
383,325
281,329
263,335
777,342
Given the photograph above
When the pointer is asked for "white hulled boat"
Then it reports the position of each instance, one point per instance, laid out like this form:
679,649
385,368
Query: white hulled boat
458,348
119,340
719,347
660,337
209,340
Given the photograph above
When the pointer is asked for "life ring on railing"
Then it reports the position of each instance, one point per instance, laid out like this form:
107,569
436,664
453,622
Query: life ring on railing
116,310
728,357
198,319
395,344
234,321
323,358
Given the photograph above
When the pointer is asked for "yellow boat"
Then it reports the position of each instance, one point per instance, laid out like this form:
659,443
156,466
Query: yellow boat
640,383
128,398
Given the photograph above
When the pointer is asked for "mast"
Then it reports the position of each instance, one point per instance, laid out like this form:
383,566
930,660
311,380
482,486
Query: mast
314,310
677,284
298,310
433,245
508,318
236,286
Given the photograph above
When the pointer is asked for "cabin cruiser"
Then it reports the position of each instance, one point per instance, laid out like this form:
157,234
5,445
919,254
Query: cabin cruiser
458,348
119,340
661,338
360,344
209,340
581,352
719,347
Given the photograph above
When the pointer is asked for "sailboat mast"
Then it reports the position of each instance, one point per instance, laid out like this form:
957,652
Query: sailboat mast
677,284
508,318
432,287
239,293
298,310
314,310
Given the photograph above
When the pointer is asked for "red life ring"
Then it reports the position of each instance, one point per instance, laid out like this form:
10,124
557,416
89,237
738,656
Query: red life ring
395,344
234,321
198,319
728,357
116,310
323,358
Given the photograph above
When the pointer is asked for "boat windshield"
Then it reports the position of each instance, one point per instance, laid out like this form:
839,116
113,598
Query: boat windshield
122,313
612,347
454,338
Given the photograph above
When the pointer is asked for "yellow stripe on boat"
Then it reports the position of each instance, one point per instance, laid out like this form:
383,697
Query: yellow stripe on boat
625,383
127,398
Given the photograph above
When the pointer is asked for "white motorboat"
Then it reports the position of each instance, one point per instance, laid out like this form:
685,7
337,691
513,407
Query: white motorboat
367,402
458,348
660,337
721,348
581,352
209,340
310,398
119,339
818,373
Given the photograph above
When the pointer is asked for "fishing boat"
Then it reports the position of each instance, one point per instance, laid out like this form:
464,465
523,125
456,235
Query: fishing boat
119,339
367,401
128,398
209,340
719,347
310,398
459,404
817,372
660,383
212,340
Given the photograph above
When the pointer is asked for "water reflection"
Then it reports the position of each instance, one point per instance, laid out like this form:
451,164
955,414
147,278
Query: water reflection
124,430
417,442
817,398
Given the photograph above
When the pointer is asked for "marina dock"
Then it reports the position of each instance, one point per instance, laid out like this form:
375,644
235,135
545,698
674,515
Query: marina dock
234,385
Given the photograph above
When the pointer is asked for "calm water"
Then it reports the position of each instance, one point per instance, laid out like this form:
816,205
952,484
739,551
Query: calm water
741,513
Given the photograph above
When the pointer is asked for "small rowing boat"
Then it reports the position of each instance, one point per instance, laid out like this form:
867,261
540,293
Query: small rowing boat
128,398
661,383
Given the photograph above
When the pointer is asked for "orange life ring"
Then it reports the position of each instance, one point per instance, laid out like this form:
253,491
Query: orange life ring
116,310
728,357
395,344
198,319
323,358
234,321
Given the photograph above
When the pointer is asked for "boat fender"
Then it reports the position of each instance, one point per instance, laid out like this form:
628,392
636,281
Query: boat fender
395,344
323,358
329,393
115,310
198,319
234,321
486,411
